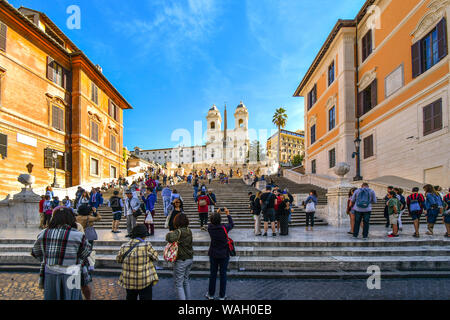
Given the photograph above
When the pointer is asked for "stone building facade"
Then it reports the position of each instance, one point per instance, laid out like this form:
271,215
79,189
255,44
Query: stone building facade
292,144
225,146
382,77
54,100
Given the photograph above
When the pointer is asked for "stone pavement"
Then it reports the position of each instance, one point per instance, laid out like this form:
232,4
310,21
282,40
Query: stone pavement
23,286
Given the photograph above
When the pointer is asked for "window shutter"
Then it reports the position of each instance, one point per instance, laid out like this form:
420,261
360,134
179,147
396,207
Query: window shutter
67,79
3,145
437,115
50,71
315,93
110,108
3,31
61,119
442,39
116,113
427,119
374,93
48,160
369,43
309,100
416,59
364,48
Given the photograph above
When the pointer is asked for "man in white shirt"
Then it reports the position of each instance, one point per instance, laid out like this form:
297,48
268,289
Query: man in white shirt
132,204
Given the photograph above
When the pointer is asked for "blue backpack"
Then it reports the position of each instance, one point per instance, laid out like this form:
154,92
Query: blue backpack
435,201
414,205
363,198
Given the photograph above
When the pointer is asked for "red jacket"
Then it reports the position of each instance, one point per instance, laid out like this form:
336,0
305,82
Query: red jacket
203,209
41,206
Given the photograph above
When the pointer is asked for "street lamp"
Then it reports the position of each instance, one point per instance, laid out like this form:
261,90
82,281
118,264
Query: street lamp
357,155
55,157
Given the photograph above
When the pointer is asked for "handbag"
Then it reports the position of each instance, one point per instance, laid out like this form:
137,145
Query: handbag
231,247
137,213
149,218
171,251
90,232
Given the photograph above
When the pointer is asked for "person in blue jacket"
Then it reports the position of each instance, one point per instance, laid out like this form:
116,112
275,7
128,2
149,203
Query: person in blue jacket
433,206
96,199
149,201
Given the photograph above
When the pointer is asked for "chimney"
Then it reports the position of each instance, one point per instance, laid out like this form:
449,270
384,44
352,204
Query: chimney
99,68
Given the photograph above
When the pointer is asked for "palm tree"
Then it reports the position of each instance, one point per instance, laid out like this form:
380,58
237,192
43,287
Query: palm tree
279,119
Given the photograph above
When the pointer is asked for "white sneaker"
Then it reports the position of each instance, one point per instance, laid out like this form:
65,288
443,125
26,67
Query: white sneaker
207,296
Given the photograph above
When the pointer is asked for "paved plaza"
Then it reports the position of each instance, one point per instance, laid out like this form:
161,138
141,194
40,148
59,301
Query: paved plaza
23,286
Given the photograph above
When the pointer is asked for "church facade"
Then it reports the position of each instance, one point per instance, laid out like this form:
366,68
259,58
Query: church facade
223,146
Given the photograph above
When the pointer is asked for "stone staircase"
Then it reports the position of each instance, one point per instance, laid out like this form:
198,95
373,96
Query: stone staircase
377,217
279,258
233,196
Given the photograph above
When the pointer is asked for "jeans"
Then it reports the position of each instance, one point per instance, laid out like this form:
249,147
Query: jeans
166,202
310,219
195,193
215,265
131,223
181,271
203,218
143,294
362,216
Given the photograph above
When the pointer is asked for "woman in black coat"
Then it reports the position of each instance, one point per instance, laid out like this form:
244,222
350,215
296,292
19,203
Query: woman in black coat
219,252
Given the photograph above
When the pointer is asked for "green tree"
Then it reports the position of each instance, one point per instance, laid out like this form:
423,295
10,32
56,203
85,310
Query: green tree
280,119
298,160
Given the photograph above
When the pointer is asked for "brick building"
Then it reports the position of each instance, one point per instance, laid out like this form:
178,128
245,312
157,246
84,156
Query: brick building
54,102
382,79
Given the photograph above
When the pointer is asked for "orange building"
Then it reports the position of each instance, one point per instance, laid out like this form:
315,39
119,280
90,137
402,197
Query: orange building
382,77
54,102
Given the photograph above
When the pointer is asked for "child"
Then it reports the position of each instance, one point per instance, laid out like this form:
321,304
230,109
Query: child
48,210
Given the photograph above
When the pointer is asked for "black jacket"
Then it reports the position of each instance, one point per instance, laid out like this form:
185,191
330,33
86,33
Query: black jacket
219,244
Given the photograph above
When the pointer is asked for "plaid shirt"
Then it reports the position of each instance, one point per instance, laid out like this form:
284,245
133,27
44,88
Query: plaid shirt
138,271
62,246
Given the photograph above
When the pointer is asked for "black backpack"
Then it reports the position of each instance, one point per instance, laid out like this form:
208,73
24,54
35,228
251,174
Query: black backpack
114,202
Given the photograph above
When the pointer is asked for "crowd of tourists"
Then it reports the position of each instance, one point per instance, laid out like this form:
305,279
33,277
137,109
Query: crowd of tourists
432,203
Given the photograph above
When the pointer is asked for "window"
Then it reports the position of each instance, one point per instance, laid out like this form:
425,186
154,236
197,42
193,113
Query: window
57,74
432,117
3,30
368,98
332,158
113,172
94,131
331,118
3,145
430,50
313,167
113,110
113,142
313,134
94,93
213,126
331,74
57,118
312,97
366,45
368,147
94,167
61,160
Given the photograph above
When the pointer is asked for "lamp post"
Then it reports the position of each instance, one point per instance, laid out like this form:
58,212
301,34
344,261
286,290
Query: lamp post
357,155
55,157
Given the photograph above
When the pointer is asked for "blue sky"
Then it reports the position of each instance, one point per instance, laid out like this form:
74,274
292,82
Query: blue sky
173,59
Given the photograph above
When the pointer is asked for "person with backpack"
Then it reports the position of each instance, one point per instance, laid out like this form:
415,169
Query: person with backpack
116,204
394,207
219,252
182,235
284,210
203,205
278,201
138,275
310,208
433,206
363,198
446,215
415,203
267,201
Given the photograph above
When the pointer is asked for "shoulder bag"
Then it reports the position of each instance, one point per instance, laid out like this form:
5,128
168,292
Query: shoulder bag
171,250
231,247
90,232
